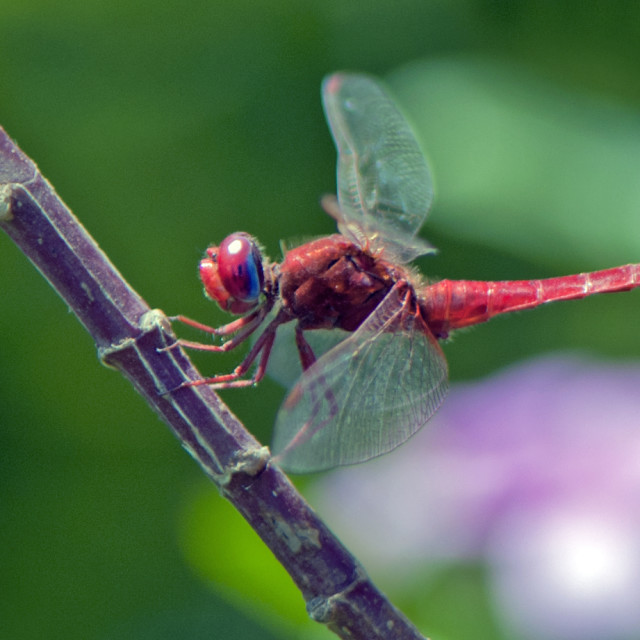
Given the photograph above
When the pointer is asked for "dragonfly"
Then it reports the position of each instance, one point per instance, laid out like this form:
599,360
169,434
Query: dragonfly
387,375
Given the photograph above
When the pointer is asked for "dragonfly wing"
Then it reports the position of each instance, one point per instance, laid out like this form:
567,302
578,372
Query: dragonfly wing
284,364
384,184
365,396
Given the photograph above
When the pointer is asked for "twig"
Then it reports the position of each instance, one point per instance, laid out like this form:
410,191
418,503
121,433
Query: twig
128,335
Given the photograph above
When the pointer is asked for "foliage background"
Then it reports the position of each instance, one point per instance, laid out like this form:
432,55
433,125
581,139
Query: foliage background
166,126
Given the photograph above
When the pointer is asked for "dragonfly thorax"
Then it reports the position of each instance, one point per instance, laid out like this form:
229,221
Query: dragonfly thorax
331,283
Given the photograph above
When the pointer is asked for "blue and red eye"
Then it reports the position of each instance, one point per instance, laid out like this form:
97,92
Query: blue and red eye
240,267
232,273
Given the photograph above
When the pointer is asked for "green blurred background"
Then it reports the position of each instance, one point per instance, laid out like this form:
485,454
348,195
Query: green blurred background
166,126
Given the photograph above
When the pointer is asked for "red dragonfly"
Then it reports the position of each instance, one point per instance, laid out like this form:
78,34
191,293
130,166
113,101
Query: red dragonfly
385,380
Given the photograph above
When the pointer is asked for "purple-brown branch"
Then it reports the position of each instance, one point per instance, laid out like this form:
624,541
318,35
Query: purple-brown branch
128,335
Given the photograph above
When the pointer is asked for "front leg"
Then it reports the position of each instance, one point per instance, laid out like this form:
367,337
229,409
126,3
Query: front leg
244,327
261,348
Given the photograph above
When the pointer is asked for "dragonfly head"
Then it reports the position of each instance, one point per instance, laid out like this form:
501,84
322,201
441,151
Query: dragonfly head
232,274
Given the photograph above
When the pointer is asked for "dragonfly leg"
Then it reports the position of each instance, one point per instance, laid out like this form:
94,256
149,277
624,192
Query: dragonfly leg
261,348
243,327
307,357
194,323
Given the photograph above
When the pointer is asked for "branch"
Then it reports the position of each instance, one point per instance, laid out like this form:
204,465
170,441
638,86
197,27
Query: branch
128,335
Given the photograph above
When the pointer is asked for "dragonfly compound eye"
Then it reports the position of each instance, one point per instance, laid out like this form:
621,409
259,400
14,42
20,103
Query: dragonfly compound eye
240,267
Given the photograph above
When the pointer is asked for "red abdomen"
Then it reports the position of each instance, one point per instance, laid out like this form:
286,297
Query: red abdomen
453,304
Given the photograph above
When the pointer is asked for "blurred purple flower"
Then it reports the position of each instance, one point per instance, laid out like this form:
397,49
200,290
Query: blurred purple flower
536,471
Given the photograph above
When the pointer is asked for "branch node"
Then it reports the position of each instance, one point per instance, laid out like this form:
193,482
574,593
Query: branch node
249,462
149,321
155,318
324,609
6,211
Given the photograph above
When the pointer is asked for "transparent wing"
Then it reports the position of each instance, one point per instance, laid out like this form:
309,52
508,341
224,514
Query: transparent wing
365,396
284,364
384,185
